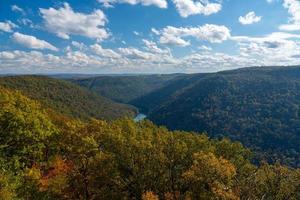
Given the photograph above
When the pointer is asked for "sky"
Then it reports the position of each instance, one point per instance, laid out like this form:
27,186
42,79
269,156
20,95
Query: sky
147,36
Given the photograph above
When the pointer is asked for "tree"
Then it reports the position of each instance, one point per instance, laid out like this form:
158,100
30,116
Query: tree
210,177
25,128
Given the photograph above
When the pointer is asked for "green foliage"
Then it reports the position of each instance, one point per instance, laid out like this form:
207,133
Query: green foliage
257,106
8,186
52,157
67,98
124,88
25,129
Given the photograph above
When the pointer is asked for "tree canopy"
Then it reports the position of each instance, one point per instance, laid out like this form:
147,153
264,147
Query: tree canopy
44,155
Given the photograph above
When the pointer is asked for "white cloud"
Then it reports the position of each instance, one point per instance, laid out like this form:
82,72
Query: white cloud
134,53
108,53
155,31
205,48
277,48
193,7
249,18
16,8
208,32
212,62
6,55
32,42
26,22
184,7
136,33
91,60
276,36
153,48
78,45
7,26
170,38
27,62
158,3
65,22
293,7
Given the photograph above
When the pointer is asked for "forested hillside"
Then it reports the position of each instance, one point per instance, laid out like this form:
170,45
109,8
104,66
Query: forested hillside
67,98
258,106
48,156
124,88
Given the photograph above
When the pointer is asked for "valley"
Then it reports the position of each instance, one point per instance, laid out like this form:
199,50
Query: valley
256,106
150,100
239,127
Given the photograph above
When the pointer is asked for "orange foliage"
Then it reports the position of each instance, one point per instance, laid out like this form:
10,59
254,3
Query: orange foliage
59,167
149,196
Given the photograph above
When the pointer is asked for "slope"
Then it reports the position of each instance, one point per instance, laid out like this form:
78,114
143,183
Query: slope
258,106
67,98
124,88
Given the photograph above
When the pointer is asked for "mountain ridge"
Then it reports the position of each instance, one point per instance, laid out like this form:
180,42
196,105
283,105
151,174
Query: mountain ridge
68,98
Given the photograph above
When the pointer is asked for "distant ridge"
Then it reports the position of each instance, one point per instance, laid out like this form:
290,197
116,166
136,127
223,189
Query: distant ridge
258,106
67,98
124,88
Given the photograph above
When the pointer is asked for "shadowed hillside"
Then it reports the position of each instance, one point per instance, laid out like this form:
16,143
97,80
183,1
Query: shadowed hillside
54,157
258,106
67,98
124,88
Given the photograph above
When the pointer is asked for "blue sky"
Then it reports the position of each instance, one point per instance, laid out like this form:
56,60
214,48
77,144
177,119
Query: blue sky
147,36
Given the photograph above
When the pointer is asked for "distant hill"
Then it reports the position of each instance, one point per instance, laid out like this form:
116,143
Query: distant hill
258,106
67,98
124,88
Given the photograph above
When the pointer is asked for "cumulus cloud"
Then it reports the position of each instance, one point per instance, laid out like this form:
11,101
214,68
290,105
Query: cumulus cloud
136,33
27,62
65,22
273,49
16,8
158,3
134,53
155,31
208,32
153,48
26,22
108,53
184,7
277,48
293,7
205,48
78,45
32,42
212,62
7,26
249,18
276,36
94,58
193,7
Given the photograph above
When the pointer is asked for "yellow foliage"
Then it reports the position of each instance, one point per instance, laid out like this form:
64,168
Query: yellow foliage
149,196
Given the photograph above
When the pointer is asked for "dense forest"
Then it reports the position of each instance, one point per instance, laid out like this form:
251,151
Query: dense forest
256,106
123,88
47,155
67,98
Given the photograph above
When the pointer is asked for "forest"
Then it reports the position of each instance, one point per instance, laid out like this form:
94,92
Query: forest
67,98
258,106
48,155
124,88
